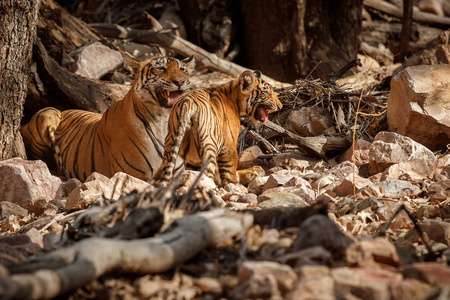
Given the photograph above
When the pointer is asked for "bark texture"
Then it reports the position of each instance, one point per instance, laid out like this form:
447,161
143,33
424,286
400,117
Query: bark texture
300,37
18,19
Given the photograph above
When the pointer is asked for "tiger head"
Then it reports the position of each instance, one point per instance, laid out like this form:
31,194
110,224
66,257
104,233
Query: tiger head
165,78
258,97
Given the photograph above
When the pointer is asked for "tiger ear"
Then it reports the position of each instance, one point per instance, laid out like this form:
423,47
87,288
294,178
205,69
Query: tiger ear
257,73
247,82
130,62
190,63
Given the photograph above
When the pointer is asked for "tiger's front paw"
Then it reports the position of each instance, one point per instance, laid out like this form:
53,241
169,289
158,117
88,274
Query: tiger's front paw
247,175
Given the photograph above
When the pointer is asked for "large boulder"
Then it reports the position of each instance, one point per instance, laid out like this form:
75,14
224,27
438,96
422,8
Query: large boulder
390,148
26,181
419,105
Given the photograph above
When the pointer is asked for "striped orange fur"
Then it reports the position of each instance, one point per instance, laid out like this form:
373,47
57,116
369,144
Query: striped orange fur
127,137
205,124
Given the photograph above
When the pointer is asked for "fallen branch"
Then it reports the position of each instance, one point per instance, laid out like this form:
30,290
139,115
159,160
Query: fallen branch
418,16
318,145
166,39
75,266
263,142
76,91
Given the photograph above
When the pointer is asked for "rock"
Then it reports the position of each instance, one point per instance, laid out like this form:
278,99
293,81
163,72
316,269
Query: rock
389,189
11,209
312,271
438,231
330,237
350,185
280,178
313,287
208,285
408,289
255,186
95,60
419,104
283,274
434,273
249,157
309,121
97,186
436,52
414,170
24,182
364,283
295,162
378,252
249,198
334,176
280,199
232,192
21,245
257,287
439,191
302,190
389,148
361,151
401,221
68,186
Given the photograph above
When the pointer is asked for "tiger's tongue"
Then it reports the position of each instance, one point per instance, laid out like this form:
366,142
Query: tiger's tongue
263,115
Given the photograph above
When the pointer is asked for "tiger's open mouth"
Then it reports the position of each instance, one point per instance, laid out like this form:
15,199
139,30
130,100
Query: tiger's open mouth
262,112
168,98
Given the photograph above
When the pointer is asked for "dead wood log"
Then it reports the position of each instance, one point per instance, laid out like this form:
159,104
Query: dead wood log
65,90
181,46
60,31
418,16
318,145
263,142
281,218
73,267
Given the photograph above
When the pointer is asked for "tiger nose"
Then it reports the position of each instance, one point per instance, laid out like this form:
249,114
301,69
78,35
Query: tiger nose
178,81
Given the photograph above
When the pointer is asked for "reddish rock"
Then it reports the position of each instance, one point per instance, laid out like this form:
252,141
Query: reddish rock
389,148
11,209
361,153
249,157
378,253
24,182
418,105
314,287
409,289
434,273
95,60
283,274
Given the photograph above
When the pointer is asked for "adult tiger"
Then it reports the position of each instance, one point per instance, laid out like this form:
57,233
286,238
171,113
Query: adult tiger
205,124
128,137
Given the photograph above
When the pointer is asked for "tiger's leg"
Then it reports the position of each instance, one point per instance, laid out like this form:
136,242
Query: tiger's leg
176,130
227,163
39,135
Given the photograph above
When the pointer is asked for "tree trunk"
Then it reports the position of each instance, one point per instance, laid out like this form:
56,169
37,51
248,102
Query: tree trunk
18,19
275,40
300,37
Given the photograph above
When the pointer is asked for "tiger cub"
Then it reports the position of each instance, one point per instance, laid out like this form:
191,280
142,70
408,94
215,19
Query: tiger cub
204,124
127,137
